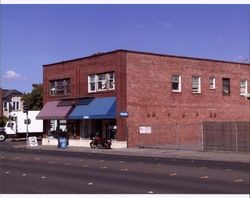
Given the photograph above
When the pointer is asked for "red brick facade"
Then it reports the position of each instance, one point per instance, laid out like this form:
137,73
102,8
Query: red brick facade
151,102
143,88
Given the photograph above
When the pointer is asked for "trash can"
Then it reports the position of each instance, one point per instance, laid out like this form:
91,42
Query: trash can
62,143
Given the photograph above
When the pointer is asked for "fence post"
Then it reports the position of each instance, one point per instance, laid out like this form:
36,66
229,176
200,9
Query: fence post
236,137
177,136
202,136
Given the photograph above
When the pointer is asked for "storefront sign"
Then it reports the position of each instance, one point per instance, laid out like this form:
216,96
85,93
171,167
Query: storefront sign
124,114
33,141
146,130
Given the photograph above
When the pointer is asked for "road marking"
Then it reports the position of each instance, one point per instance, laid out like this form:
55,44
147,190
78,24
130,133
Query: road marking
23,174
103,167
2,157
121,161
67,164
43,177
173,174
52,162
7,172
204,177
238,180
90,183
37,158
150,192
84,165
124,169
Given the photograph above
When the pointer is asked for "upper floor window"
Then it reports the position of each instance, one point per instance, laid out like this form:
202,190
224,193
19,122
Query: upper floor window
225,86
5,106
60,87
212,83
176,83
15,106
101,82
243,87
196,84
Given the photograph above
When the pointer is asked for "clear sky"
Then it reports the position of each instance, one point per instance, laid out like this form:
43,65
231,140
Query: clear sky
34,35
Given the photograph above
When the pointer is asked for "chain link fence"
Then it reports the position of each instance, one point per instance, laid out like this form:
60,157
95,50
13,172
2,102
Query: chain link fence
226,136
206,136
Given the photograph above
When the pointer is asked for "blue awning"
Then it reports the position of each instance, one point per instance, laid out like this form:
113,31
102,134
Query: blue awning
98,108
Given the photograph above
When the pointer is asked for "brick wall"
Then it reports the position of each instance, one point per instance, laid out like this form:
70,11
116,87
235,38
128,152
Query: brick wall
150,101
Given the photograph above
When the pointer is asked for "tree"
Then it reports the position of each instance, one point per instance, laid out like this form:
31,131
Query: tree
34,100
3,121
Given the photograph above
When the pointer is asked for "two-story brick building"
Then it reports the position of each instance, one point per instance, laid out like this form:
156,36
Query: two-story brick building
143,99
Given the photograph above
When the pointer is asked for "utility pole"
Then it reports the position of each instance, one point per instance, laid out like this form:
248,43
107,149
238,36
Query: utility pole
25,110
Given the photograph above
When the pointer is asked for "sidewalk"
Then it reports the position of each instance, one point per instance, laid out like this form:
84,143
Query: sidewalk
161,153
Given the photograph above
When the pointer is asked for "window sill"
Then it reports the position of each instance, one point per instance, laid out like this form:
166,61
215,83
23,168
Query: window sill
173,91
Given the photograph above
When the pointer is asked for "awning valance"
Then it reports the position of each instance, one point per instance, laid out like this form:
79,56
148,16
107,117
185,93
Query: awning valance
97,108
54,110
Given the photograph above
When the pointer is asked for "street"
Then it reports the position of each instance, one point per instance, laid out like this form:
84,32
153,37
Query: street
41,172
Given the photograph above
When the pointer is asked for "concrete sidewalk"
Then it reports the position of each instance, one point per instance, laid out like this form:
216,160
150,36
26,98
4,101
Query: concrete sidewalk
161,153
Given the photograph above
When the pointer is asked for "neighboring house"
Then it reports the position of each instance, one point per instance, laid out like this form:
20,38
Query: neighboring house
11,101
143,99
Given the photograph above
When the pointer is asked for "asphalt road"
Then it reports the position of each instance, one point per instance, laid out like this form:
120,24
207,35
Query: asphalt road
48,172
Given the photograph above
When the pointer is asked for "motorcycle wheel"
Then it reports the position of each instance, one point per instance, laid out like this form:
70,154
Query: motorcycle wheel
107,145
93,145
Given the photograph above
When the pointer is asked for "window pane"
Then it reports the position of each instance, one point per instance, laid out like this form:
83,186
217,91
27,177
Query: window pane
212,83
111,77
176,83
60,87
243,87
196,84
226,86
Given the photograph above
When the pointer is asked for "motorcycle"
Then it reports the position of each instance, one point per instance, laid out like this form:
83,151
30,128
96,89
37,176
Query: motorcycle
98,142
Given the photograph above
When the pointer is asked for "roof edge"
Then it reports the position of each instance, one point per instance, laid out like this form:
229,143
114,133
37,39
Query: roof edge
147,53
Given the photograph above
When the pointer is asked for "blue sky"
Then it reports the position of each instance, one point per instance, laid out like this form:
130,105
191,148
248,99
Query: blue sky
34,35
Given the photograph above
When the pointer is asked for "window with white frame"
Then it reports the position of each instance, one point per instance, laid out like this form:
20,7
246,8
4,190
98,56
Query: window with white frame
196,84
111,81
101,82
92,83
212,82
176,83
243,87
60,87
15,105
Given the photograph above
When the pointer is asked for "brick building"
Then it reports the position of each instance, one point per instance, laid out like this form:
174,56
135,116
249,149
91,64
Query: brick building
142,99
